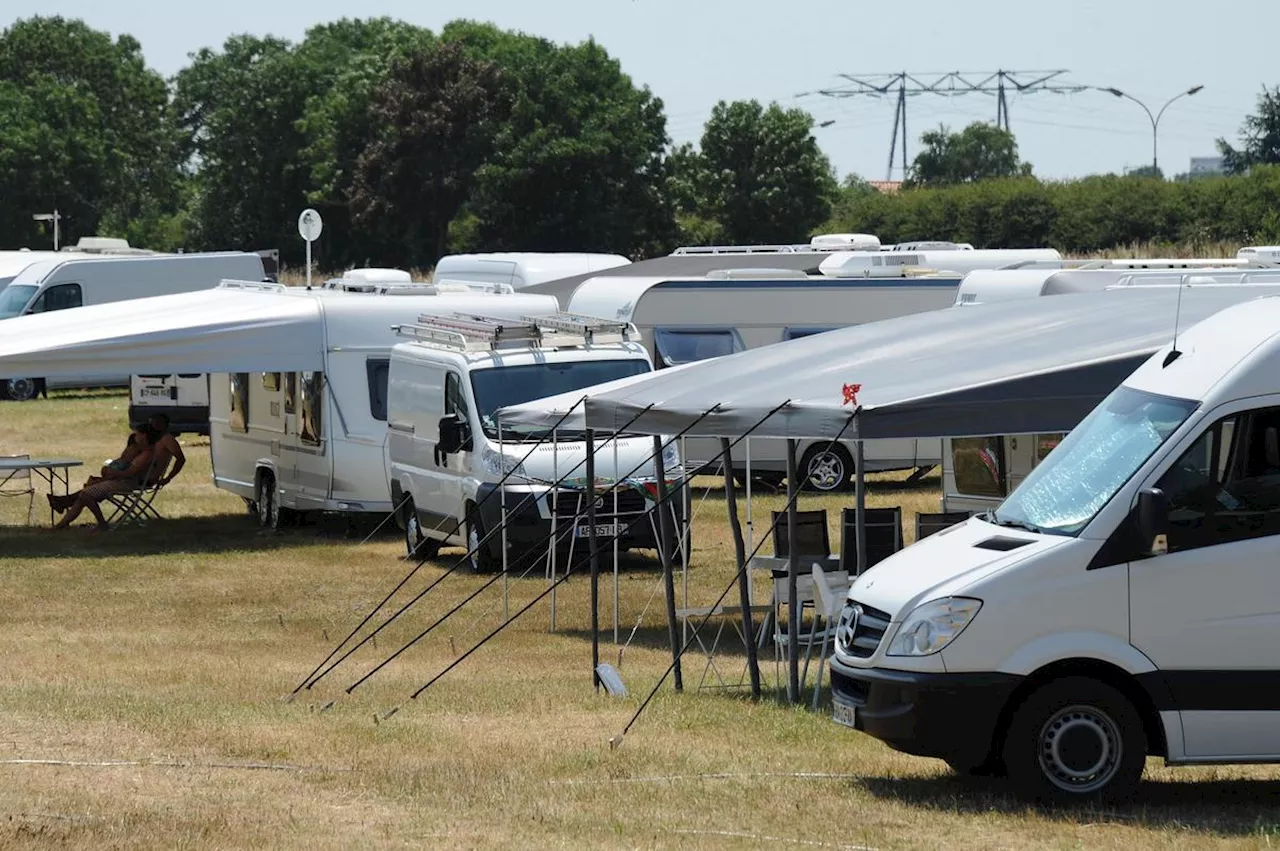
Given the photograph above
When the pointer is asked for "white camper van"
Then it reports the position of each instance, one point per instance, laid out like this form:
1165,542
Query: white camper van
685,319
520,269
447,452
314,440
69,281
1120,603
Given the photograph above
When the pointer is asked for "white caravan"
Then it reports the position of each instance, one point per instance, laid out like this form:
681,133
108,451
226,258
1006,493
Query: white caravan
69,281
314,440
685,319
979,472
1121,603
448,453
520,269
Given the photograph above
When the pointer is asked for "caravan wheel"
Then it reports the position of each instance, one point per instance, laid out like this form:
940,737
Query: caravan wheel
827,468
268,502
21,389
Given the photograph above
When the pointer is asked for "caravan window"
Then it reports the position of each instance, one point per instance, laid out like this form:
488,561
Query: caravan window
379,370
310,401
978,463
798,332
290,392
61,297
239,418
271,381
674,346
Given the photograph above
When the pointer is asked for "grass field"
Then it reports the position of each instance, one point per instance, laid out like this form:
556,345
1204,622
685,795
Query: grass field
144,670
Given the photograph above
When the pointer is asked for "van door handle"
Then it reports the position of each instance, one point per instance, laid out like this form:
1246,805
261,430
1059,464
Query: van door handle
408,428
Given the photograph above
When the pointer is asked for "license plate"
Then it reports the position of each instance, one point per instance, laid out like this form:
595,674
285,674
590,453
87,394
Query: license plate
155,392
603,530
843,713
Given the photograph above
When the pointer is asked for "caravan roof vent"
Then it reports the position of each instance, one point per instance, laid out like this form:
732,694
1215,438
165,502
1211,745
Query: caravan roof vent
733,249
845,242
868,264
926,245
737,274
377,276
252,286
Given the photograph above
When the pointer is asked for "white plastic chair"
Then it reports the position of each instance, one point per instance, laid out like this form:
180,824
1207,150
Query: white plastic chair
828,602
18,483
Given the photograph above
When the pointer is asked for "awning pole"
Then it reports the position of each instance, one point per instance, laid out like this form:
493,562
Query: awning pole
665,539
793,571
740,553
506,564
860,514
595,558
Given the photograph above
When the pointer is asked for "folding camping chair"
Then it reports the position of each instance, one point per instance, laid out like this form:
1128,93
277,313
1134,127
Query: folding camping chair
18,483
884,536
135,506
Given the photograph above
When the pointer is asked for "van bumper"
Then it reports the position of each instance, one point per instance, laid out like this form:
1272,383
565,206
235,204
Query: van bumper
946,716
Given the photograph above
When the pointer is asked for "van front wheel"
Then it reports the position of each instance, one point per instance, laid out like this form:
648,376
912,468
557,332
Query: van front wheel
1075,740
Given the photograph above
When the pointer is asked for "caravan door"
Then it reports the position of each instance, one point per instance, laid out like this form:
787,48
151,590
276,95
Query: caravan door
313,460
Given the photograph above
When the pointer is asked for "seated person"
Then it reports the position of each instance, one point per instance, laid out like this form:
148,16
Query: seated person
167,448
111,482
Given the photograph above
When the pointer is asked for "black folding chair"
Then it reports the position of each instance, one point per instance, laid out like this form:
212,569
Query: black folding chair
884,536
930,524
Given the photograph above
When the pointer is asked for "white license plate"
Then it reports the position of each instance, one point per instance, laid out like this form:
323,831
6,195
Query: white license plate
843,713
155,392
603,530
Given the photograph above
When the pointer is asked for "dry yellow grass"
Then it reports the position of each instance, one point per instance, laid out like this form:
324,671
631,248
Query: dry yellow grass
169,649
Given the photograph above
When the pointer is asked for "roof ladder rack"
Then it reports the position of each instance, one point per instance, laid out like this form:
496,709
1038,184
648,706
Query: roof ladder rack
469,333
592,329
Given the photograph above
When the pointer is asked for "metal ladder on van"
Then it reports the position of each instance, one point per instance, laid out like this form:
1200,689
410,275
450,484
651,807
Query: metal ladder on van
472,332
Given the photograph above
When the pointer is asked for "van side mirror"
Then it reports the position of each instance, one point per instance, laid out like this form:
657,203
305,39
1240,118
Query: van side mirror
1153,522
453,434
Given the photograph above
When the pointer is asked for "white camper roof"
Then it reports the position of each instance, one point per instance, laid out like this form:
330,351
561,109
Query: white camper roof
235,327
523,268
13,263
845,264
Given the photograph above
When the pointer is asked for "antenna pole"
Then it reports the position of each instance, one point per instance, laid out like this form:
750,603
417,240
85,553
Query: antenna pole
1174,354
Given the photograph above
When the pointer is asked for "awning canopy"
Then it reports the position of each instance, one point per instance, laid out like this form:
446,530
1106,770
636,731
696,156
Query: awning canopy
217,330
551,411
1038,364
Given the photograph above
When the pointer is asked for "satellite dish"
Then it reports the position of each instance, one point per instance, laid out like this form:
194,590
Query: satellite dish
310,225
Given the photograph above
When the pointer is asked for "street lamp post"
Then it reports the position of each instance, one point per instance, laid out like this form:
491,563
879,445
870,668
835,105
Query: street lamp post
1155,119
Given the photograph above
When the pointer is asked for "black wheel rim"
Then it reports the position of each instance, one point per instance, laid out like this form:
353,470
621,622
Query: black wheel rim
22,389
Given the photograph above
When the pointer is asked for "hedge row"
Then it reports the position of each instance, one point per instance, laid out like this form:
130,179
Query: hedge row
1092,214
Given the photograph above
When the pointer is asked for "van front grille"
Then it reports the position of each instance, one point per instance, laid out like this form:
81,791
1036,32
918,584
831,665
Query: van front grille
860,630
569,503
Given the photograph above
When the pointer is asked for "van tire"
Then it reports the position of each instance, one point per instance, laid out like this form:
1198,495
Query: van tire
22,389
270,515
826,468
480,557
417,545
1108,745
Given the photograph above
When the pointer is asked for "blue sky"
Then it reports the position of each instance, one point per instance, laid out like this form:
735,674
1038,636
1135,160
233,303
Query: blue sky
696,52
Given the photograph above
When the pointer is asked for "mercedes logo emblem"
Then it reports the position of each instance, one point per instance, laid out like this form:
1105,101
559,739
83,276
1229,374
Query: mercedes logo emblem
847,626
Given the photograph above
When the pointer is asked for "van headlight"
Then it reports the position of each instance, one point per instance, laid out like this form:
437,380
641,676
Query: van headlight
932,626
499,464
670,456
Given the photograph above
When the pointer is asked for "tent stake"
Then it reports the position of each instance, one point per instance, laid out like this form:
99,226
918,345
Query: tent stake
793,570
664,553
595,557
740,553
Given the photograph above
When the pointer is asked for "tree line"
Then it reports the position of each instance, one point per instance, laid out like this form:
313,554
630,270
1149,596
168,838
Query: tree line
414,143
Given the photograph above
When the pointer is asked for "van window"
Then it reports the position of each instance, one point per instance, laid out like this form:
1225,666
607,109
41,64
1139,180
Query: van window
1226,487
14,298
379,370
674,346
310,402
1045,444
978,463
455,401
500,387
61,297
239,418
798,332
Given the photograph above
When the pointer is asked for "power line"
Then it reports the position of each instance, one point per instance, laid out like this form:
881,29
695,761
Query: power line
948,84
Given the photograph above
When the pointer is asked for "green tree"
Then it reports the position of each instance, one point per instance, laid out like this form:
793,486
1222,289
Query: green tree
763,177
980,151
438,115
84,127
579,163
1259,136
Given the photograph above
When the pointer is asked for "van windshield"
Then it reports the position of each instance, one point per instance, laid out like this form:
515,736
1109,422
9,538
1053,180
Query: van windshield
14,298
1074,481
501,387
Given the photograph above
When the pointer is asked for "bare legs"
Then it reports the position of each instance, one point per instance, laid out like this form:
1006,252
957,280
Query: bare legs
79,504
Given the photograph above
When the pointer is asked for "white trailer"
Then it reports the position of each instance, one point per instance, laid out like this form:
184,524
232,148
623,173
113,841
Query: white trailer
685,319
520,269
313,440
68,281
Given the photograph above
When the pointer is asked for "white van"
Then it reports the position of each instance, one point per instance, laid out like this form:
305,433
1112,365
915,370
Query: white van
70,281
296,442
1122,602
447,452
520,269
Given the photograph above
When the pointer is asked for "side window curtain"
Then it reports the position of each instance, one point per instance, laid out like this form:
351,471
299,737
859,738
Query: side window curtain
978,463
311,405
239,419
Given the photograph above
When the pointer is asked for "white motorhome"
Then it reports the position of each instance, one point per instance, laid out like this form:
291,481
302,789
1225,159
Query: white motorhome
295,442
448,452
684,319
520,269
979,472
70,281
1120,603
